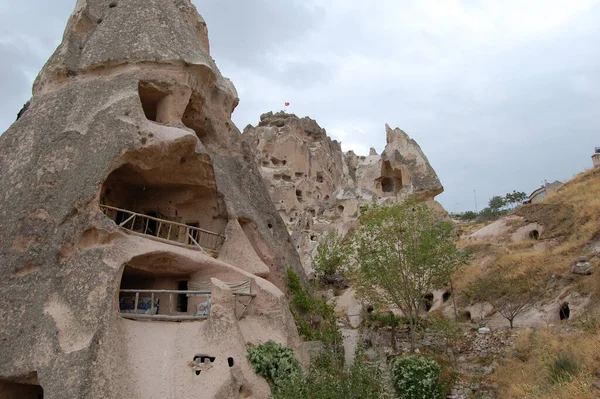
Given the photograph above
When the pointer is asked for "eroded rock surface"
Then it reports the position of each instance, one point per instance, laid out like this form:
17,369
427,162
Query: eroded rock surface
130,125
317,188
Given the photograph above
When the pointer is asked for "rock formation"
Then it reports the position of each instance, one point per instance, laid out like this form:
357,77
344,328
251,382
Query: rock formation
125,172
317,188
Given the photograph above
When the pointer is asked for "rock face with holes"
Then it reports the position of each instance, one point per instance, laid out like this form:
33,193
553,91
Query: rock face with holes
317,188
125,172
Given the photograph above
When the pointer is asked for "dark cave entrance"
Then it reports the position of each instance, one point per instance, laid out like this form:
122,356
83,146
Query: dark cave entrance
564,313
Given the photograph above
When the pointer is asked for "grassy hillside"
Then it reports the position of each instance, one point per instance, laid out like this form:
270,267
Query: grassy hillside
561,359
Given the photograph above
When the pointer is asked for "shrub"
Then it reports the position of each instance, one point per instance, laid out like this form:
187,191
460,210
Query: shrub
417,377
306,307
276,364
563,368
332,256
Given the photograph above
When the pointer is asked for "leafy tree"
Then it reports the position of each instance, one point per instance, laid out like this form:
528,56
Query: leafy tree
497,203
332,256
469,215
509,295
402,252
515,198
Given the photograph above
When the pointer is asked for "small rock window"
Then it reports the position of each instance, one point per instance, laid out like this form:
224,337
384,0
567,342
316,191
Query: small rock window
299,195
446,296
319,177
152,101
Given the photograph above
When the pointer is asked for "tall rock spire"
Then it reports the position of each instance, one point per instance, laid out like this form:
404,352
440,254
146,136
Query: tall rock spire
126,173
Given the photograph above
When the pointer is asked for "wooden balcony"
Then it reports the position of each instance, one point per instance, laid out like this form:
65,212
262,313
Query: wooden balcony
146,304
165,230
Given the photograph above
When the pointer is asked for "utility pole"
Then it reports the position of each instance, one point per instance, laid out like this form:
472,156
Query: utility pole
475,196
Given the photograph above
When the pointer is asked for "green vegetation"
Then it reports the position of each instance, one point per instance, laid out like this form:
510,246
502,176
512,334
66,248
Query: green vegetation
497,206
563,367
326,378
314,317
276,364
403,252
332,256
417,377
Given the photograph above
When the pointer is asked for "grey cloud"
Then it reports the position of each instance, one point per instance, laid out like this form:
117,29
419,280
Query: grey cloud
491,116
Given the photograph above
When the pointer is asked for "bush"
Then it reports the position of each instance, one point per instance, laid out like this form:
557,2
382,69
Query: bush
563,368
327,378
332,256
276,364
307,307
417,377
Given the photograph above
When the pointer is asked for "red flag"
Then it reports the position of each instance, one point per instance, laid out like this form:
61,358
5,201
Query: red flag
287,104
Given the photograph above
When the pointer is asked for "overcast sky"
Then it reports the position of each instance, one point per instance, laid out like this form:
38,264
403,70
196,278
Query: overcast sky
499,94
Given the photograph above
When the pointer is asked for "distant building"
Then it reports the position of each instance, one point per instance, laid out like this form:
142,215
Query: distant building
596,157
543,191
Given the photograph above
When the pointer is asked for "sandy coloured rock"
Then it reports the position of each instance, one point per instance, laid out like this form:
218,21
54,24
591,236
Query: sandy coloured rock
125,172
318,188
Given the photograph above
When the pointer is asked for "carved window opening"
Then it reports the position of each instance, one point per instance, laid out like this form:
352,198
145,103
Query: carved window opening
154,290
387,185
153,104
319,177
390,181
155,204
534,235
21,390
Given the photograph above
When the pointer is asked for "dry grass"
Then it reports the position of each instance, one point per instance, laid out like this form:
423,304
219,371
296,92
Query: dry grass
571,220
570,216
527,374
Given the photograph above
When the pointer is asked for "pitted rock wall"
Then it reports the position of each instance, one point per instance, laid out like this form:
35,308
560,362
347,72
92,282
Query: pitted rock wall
131,94
318,188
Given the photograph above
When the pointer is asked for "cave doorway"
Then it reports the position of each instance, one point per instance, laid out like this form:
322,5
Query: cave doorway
387,185
427,302
564,313
182,299
18,390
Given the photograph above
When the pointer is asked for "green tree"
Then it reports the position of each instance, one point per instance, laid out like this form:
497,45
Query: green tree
497,203
515,198
331,257
468,215
510,295
402,252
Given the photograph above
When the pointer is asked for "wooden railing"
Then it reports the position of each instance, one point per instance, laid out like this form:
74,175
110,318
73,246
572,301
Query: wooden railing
163,317
165,230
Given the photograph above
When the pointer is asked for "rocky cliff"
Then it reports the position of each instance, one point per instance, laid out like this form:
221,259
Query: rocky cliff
318,188
129,202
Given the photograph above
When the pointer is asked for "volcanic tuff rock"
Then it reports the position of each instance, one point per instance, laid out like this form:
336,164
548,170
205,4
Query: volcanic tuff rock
131,112
317,188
